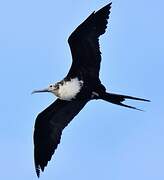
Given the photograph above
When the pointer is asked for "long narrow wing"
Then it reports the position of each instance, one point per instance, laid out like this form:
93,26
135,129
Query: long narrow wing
48,129
84,43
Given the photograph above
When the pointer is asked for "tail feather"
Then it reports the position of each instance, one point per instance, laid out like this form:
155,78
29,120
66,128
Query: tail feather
119,98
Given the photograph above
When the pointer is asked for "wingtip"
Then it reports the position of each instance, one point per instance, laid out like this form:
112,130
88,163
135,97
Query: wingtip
108,5
37,169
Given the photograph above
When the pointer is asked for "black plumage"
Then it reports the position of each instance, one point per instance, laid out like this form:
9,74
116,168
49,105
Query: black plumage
48,129
86,56
84,44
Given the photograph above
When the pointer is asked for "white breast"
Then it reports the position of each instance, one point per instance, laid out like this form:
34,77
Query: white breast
70,89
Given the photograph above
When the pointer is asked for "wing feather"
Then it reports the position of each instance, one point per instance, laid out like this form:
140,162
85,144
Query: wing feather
84,43
48,129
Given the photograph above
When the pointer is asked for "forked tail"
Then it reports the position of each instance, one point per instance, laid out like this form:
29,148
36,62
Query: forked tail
118,99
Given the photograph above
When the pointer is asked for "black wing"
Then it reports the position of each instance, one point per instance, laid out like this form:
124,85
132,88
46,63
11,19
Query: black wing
84,43
48,129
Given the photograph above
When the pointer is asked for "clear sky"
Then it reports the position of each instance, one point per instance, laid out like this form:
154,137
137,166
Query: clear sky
104,141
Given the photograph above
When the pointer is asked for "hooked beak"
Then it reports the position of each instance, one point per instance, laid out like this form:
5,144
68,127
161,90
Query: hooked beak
40,91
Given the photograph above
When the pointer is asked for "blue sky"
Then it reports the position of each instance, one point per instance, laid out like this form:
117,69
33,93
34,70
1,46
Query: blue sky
104,141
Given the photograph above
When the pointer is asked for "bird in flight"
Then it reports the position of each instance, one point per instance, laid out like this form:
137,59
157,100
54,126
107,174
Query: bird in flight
81,84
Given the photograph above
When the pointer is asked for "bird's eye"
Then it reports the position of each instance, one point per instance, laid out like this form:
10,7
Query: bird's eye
50,86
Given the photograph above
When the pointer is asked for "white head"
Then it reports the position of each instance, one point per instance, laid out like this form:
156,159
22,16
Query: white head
53,88
65,90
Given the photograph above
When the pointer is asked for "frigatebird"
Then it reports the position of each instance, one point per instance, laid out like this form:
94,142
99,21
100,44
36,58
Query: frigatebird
81,84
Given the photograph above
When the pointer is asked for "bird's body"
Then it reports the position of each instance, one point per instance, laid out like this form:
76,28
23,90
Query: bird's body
69,89
80,85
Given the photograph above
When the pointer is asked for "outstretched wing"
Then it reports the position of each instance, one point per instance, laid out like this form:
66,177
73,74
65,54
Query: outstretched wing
84,43
48,129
